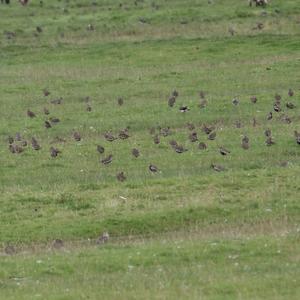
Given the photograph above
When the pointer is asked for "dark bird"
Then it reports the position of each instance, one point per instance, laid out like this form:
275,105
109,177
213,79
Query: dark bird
121,176
153,168
135,152
57,101
297,136
202,146
107,160
254,122
245,142
77,136
190,126
156,139
13,148
253,99
35,145
39,29
100,149
238,124
269,141
47,124
269,116
277,107
123,135
212,136
46,92
54,120
30,114
291,93
171,101
24,143
120,101
10,140
217,168
173,143
224,151
268,132
109,137
290,105
46,111
207,129
235,101
54,152
202,94
193,137
175,94
183,109
88,108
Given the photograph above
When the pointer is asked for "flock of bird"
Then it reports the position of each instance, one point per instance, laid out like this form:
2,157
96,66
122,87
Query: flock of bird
18,144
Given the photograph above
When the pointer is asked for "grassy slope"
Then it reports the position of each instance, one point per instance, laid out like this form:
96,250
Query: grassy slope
183,45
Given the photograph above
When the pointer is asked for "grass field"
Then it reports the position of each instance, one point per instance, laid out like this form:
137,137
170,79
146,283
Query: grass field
187,231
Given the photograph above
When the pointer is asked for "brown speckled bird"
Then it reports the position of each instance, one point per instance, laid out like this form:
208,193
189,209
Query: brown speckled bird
290,105
269,141
253,99
223,151
46,92
217,168
269,116
30,114
212,136
202,146
46,111
121,176
123,135
171,101
297,136
109,137
245,143
120,101
35,145
156,139
291,93
54,152
100,149
77,136
193,137
190,126
47,124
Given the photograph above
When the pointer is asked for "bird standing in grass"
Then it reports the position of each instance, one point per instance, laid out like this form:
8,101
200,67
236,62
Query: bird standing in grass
153,168
107,160
135,152
121,176
34,143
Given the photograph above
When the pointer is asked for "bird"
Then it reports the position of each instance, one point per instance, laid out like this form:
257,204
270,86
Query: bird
58,244
277,107
152,130
123,135
291,93
10,250
207,129
47,124
217,168
290,105
253,99
156,139
135,152
90,27
120,101
165,131
153,168
202,94
238,124
121,176
223,151
88,108
54,152
277,98
268,132
39,29
269,116
100,149
77,136
103,238
34,143
10,140
235,101
297,136
24,143
193,137
212,136
184,109
202,146
173,143
46,92
254,122
54,120
269,141
190,126
57,101
30,114
203,103
286,119
46,111
179,149
107,160
13,148
175,94
109,137
171,101
245,142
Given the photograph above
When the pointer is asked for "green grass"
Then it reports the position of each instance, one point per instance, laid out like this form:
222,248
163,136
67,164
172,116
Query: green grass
182,45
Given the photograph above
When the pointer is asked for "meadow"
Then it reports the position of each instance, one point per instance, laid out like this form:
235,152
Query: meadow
186,231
